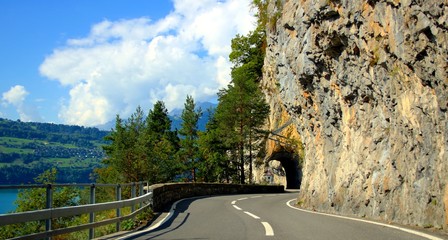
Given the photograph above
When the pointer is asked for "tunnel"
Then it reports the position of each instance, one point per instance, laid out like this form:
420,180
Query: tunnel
290,162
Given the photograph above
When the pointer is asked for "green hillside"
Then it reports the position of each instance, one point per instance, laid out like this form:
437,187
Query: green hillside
28,149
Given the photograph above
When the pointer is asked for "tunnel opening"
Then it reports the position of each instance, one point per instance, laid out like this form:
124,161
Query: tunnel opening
290,162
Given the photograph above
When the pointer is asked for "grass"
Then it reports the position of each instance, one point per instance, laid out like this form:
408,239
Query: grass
14,141
71,162
428,225
4,149
376,56
395,71
20,141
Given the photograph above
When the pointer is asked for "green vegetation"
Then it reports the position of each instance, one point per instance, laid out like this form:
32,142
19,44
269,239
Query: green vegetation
34,199
144,147
28,149
264,17
240,114
188,151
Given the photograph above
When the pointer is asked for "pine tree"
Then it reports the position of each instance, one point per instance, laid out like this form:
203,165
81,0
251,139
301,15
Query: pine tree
162,144
141,149
242,109
115,153
189,135
214,165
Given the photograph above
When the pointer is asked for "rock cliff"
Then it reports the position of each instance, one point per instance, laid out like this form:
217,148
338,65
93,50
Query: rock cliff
365,84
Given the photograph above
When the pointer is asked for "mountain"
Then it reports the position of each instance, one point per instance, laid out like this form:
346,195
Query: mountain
364,87
175,116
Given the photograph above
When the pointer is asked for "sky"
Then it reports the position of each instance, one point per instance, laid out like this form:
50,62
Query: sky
82,62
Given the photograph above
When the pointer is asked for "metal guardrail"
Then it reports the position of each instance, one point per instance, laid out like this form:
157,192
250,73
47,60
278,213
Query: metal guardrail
143,200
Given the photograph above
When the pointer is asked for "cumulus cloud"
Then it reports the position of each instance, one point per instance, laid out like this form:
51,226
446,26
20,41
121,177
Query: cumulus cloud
122,64
16,96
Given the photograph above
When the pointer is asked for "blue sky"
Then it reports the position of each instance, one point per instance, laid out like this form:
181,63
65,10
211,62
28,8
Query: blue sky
82,62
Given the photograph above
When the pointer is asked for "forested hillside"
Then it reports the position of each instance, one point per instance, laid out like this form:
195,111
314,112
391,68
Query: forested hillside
28,149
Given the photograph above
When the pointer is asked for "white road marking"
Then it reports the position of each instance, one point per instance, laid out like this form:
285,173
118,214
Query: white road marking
252,215
367,221
236,207
255,197
158,224
268,229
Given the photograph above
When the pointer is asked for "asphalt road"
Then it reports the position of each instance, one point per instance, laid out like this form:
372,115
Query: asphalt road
261,216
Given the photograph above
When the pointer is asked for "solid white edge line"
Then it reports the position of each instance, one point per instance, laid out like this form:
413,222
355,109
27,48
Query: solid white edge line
158,224
367,221
236,207
252,215
268,229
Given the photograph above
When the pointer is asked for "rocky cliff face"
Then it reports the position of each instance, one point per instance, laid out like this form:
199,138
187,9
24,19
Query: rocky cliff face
365,83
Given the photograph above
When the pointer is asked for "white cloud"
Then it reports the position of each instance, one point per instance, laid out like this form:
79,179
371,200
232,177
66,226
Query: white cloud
126,63
16,97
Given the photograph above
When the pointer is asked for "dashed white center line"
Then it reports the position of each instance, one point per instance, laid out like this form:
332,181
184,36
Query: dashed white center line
252,215
268,229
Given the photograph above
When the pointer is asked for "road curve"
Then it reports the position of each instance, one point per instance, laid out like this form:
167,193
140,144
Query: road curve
261,216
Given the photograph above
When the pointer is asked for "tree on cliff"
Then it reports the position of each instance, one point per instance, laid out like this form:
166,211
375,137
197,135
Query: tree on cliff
242,108
188,152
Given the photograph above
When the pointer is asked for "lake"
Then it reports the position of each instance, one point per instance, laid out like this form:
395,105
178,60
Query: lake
7,198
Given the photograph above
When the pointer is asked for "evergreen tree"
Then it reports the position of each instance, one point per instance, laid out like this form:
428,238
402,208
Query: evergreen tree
162,144
189,136
141,149
126,154
115,153
214,165
242,109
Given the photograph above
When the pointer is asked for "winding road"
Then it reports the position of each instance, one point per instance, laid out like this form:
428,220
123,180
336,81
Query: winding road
263,216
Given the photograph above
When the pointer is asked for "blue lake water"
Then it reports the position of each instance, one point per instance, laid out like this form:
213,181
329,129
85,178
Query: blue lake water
7,198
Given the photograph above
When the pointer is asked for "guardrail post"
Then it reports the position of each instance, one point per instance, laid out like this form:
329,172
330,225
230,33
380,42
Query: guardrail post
133,196
141,192
118,191
49,205
92,214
